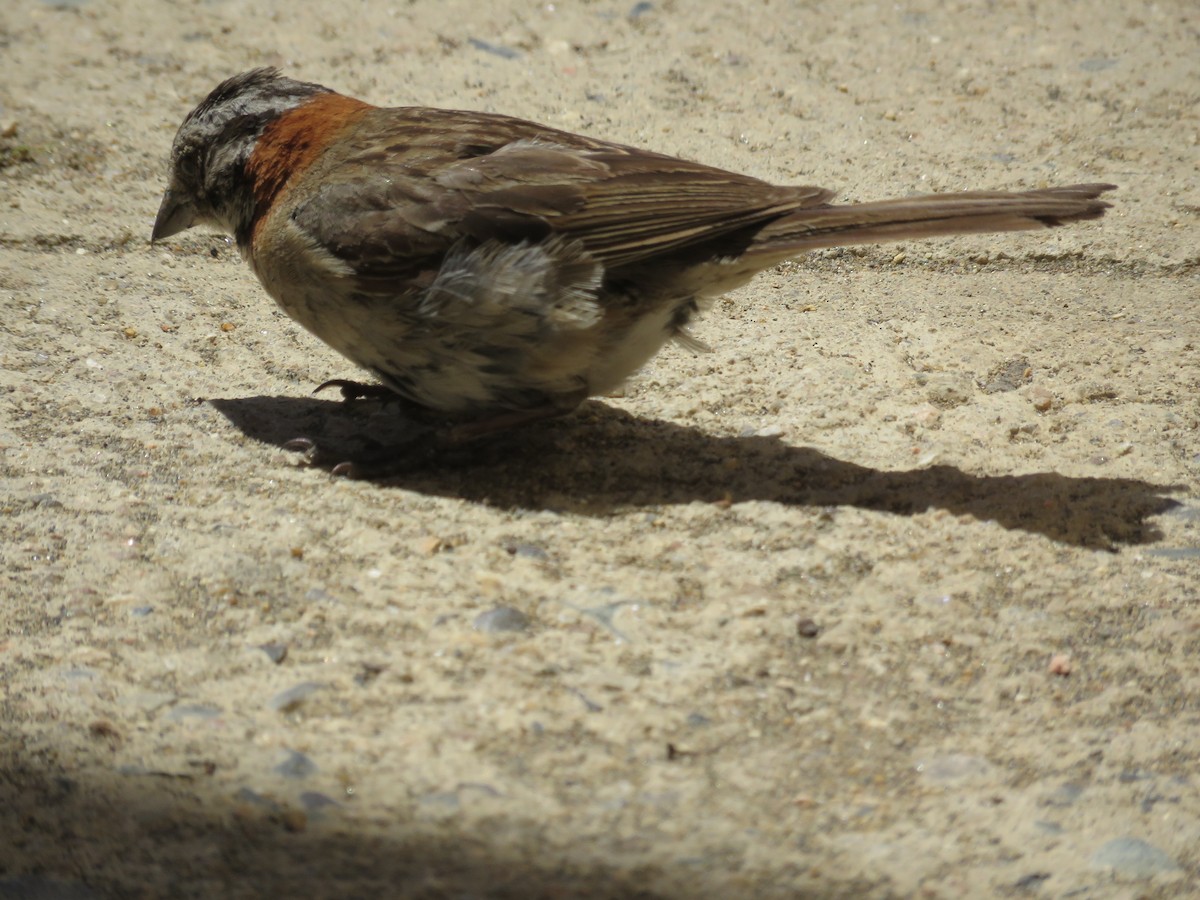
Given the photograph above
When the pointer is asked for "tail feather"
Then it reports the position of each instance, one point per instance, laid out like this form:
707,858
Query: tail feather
930,215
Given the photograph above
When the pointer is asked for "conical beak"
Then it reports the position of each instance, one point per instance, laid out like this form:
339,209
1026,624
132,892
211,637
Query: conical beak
174,215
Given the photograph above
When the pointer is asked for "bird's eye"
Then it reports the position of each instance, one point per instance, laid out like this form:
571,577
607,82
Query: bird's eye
189,166
193,169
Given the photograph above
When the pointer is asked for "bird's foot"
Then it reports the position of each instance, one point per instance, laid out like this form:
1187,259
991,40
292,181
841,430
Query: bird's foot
417,450
421,442
426,448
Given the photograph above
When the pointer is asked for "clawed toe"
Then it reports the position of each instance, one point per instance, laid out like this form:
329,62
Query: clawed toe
356,390
346,469
415,440
300,445
421,449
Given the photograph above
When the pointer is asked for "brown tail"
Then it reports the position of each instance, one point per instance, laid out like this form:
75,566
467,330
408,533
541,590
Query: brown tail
930,215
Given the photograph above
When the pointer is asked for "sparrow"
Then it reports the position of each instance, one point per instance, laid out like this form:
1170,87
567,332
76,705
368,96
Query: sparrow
491,271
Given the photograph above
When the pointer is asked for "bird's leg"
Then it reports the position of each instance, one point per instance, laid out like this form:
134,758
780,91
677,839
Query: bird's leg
411,446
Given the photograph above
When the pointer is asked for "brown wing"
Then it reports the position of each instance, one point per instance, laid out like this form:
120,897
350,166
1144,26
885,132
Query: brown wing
623,205
438,176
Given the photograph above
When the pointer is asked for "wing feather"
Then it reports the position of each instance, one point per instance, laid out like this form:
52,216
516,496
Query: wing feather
439,177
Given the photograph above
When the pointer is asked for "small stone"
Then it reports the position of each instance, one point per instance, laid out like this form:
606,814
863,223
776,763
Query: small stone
148,701
949,389
104,730
926,415
1094,392
1025,428
1041,398
954,768
1174,552
252,798
1008,376
528,551
807,628
1131,776
276,653
295,765
193,711
766,431
1133,857
287,701
1031,882
1060,664
315,802
440,804
502,618
367,673
494,49
429,545
1062,796
319,595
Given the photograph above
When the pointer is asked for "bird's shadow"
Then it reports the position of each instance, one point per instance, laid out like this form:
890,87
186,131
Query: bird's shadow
601,460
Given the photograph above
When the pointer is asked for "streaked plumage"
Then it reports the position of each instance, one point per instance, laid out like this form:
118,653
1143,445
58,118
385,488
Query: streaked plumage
493,270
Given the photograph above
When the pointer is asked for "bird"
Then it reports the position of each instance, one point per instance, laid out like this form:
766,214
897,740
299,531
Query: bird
489,271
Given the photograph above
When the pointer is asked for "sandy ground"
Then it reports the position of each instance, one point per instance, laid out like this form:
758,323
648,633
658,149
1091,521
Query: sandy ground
894,594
